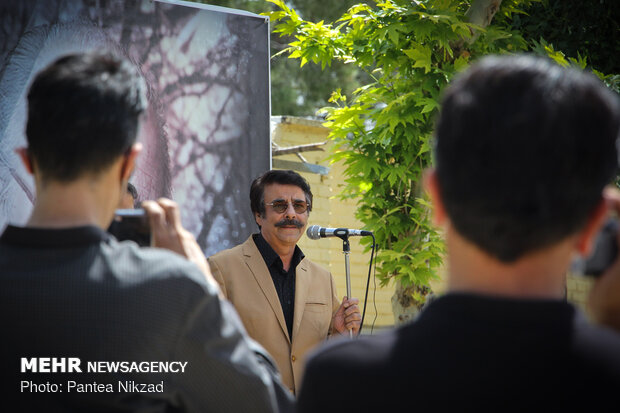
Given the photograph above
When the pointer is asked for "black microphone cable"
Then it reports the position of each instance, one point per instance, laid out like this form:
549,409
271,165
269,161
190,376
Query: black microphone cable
370,266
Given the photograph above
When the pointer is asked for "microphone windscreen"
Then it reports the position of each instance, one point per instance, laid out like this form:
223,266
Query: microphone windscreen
313,232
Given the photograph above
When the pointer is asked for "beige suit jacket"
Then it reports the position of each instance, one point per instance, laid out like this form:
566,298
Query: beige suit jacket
245,280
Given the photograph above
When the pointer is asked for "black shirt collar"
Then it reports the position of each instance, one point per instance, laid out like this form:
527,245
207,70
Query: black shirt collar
502,310
270,256
53,237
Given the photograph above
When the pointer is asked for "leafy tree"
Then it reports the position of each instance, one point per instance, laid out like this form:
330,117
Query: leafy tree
410,50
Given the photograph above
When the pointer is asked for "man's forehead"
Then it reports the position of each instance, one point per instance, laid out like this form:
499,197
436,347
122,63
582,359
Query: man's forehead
279,191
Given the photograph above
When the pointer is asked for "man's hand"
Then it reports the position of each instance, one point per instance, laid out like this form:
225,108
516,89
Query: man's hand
347,317
168,233
604,298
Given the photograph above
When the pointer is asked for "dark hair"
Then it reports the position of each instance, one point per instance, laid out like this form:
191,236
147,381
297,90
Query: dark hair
276,176
83,113
132,190
524,148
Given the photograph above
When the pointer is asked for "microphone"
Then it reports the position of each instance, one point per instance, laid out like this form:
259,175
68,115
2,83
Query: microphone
317,232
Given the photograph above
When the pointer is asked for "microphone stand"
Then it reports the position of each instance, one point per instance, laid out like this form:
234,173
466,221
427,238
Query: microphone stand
346,250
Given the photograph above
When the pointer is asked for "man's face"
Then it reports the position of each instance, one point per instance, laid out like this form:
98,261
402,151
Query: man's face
282,228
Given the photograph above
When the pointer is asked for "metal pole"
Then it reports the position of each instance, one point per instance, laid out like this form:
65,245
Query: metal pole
347,250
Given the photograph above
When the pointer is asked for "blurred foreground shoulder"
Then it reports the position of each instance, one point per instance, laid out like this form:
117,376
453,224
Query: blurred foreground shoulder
339,373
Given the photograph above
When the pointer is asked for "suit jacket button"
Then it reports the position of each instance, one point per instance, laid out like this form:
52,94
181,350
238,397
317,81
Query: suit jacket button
293,358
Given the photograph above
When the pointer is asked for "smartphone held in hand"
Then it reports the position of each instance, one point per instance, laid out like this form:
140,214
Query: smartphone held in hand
132,225
604,252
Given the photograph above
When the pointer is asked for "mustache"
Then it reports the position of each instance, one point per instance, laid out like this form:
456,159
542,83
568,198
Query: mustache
287,222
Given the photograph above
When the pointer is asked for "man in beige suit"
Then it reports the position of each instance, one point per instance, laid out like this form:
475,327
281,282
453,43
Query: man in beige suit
287,303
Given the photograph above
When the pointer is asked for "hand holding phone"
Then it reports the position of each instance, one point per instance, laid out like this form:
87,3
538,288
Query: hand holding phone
168,233
605,249
604,297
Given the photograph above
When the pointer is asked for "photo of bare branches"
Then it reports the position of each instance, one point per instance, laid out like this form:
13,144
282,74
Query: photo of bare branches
206,133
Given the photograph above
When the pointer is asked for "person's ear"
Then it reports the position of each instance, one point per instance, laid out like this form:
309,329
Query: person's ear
129,162
259,219
587,236
431,184
26,159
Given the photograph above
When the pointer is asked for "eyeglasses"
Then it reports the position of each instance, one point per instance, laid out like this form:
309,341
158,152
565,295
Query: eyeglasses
280,206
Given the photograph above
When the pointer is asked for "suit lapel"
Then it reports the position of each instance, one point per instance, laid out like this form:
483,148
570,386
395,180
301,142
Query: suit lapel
256,264
302,284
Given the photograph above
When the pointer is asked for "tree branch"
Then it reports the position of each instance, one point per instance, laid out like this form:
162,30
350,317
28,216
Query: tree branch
481,13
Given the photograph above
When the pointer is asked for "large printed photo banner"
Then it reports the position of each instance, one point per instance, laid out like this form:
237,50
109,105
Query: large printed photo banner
206,132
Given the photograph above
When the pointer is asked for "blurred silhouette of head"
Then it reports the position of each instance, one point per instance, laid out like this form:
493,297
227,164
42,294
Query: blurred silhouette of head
524,148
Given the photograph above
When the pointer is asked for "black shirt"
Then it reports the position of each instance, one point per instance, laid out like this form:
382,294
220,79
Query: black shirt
472,353
284,281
